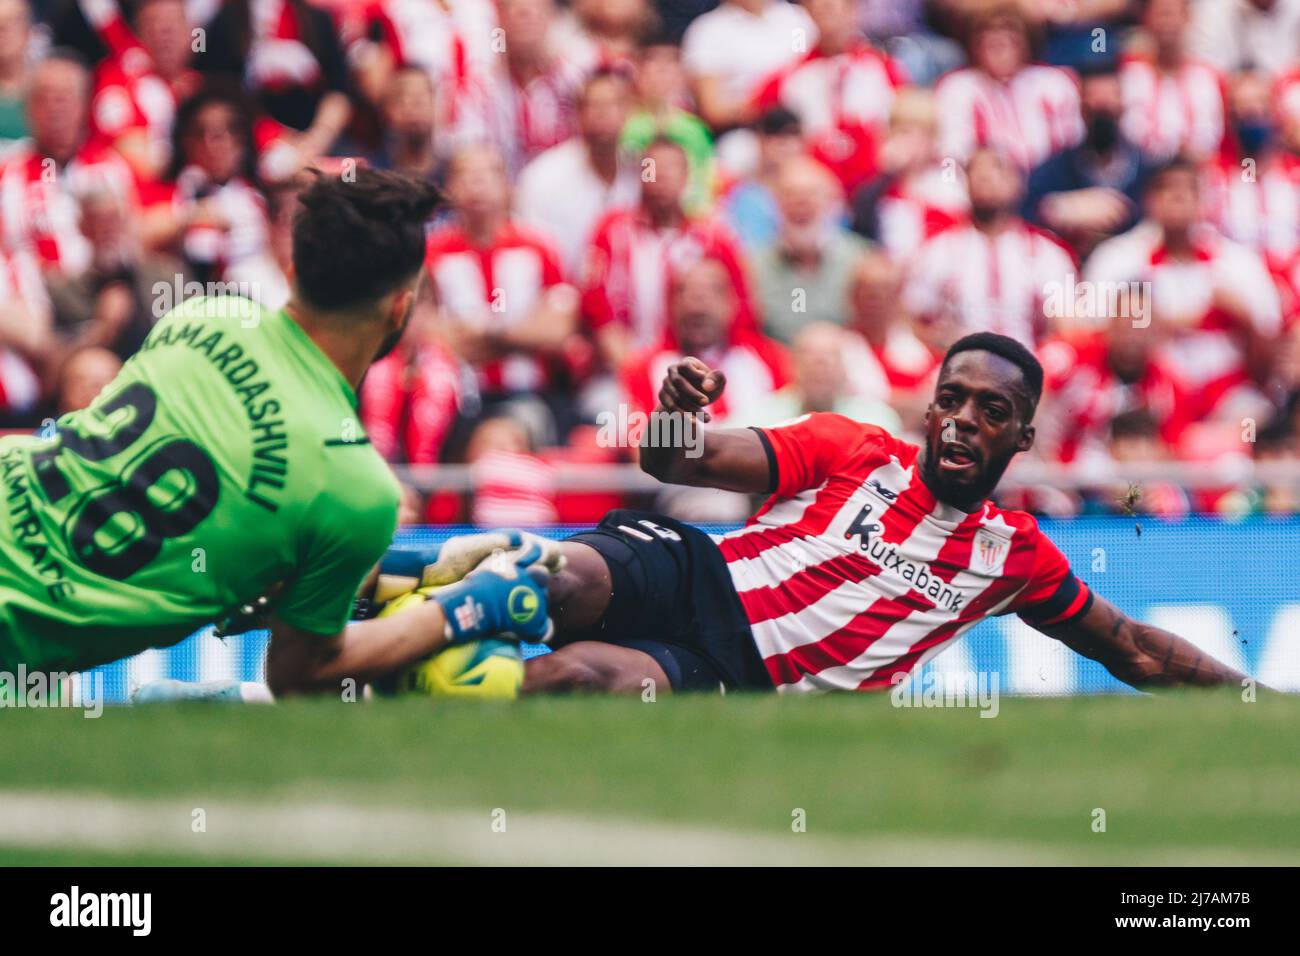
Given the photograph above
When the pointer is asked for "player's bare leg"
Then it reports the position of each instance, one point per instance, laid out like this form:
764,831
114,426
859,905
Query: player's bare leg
594,667
579,595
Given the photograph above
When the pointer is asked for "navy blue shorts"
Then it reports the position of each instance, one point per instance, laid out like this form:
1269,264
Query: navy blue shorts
673,599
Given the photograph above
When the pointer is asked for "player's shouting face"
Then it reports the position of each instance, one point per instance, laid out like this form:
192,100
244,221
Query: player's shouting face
979,419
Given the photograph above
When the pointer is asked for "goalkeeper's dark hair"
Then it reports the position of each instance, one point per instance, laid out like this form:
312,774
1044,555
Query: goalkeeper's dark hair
358,237
1031,371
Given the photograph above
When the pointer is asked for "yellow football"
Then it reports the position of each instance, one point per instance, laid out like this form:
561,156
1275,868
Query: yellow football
490,668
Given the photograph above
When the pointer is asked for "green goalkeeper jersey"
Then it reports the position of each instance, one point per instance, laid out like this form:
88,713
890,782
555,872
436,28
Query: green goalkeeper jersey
226,458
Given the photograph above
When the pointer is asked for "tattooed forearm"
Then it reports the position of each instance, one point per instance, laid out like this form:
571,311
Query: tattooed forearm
1138,653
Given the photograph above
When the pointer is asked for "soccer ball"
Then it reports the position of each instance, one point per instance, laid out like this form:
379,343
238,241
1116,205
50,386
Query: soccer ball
490,668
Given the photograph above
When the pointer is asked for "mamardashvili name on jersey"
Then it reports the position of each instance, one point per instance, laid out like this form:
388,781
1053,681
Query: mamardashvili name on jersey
225,461
853,572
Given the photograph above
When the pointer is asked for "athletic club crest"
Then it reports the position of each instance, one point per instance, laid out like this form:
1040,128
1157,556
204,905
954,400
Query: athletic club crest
989,553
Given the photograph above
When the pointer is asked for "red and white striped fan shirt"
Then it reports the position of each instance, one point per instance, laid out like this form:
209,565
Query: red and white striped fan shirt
1172,112
1028,118
843,100
39,202
1001,282
853,572
491,288
1205,356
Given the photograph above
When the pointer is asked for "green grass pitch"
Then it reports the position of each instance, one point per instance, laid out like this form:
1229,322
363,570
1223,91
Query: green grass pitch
1181,778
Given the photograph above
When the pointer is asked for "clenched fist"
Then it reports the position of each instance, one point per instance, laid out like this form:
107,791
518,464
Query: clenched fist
689,386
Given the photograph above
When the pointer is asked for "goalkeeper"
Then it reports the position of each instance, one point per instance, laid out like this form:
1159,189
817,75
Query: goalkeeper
226,462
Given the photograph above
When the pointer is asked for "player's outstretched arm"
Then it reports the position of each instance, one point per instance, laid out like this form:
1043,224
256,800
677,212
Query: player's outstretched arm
506,596
300,662
730,459
1138,653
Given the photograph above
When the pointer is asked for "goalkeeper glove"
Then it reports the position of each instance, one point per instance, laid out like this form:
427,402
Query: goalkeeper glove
405,569
504,597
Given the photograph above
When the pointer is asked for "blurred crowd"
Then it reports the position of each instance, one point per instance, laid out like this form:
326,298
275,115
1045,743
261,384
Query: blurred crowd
815,197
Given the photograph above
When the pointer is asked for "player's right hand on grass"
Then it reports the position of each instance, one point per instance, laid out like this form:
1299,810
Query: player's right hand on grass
504,597
689,386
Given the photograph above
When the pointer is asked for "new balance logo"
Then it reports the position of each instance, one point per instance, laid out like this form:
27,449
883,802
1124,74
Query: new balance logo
875,485
469,615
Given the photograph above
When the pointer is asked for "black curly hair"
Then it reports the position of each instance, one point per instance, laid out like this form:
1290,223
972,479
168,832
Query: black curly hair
359,236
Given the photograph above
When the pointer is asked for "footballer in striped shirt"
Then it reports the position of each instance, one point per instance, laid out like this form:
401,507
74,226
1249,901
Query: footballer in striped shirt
869,556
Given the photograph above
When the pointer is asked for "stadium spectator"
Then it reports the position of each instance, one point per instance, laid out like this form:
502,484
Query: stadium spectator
1234,35
503,302
703,309
1213,306
914,33
209,210
887,362
1092,376
819,359
512,486
1173,103
1091,191
917,192
749,204
1135,437
732,49
40,182
450,40
1254,194
564,192
408,110
1003,101
992,271
608,32
81,376
137,91
24,336
841,90
804,275
661,101
633,251
289,55
114,302
15,69
526,99
1071,28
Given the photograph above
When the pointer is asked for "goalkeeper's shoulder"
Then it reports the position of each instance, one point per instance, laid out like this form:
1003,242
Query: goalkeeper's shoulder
354,488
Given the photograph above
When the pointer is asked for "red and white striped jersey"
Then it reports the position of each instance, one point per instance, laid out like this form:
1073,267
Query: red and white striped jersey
492,288
129,96
917,207
39,202
20,282
512,490
523,121
755,366
629,266
1170,113
997,282
1028,118
843,101
853,572
1185,292
1083,394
